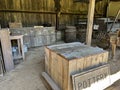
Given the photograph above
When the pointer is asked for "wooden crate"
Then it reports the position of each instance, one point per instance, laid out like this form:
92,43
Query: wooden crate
62,61
15,25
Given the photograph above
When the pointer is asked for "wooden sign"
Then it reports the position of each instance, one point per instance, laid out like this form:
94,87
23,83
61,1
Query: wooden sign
86,79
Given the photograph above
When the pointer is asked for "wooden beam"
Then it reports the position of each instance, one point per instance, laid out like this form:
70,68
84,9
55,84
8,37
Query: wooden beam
37,11
90,22
50,81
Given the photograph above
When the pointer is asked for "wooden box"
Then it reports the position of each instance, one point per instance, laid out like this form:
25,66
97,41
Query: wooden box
15,25
64,60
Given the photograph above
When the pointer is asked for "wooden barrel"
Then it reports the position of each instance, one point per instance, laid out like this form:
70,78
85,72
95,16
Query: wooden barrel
70,34
81,35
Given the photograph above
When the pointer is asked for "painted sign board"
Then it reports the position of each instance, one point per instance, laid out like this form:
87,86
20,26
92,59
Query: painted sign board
87,78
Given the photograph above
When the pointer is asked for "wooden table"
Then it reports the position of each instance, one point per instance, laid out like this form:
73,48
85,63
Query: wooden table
19,39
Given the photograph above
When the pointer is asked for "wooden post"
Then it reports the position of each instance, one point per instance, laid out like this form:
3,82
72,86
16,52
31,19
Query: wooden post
6,49
113,42
57,21
90,21
113,49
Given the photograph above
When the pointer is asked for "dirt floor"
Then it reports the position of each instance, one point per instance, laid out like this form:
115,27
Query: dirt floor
115,67
27,75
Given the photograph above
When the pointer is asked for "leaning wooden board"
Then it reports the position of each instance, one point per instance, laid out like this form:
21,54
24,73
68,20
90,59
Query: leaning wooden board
64,60
6,49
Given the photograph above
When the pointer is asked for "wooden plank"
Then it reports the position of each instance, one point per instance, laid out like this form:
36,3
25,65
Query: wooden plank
59,71
87,62
47,60
16,37
94,59
80,64
72,70
65,73
6,49
22,47
90,21
105,58
100,57
1,65
51,63
54,67
43,5
16,5
50,81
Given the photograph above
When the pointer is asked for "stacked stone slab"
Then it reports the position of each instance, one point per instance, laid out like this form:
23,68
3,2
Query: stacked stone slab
34,37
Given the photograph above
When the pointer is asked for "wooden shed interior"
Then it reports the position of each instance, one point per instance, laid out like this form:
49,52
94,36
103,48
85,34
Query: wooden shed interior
52,44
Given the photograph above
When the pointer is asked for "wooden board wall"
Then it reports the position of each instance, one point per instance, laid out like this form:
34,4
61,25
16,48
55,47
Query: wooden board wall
16,11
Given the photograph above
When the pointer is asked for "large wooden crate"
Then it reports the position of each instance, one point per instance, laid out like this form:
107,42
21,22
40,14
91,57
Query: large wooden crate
64,60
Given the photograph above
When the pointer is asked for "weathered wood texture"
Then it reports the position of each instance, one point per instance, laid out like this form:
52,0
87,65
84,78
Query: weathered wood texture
62,61
50,81
6,49
36,12
2,66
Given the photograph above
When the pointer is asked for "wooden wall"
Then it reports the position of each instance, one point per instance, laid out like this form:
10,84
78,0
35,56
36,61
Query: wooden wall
37,12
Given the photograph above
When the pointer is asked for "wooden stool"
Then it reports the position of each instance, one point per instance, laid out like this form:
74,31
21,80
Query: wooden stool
19,39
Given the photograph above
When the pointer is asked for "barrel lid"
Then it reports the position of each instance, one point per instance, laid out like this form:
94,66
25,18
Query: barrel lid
70,30
70,27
